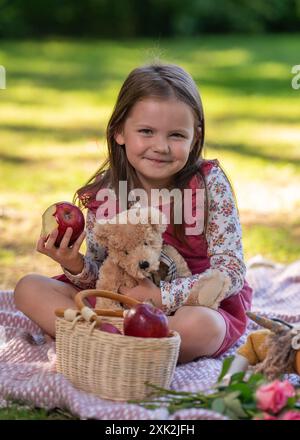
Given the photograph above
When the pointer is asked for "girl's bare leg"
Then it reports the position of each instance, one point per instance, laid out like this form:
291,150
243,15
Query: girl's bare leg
38,296
202,331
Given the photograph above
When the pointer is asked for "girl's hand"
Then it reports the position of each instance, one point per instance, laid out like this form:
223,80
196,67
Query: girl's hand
144,291
68,257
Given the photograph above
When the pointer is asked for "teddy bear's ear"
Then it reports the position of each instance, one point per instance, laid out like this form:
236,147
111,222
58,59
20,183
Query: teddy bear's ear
158,220
101,232
159,228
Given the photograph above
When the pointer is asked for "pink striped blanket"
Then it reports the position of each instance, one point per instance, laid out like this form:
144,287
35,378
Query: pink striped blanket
27,364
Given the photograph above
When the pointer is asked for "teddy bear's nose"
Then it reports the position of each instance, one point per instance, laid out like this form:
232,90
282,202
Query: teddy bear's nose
143,264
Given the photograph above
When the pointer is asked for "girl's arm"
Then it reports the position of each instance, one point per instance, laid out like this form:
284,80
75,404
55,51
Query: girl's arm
92,260
223,237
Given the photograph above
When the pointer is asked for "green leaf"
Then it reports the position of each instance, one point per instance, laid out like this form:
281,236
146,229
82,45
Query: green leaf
230,414
237,377
255,379
236,407
250,406
225,367
218,405
231,396
246,392
291,402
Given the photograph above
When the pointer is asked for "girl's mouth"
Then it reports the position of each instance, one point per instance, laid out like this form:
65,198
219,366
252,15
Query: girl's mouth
156,161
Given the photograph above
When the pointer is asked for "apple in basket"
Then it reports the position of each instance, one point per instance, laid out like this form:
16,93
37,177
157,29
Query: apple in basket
63,215
145,321
109,328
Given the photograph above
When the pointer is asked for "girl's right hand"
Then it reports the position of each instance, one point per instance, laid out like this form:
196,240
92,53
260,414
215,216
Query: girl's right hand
67,257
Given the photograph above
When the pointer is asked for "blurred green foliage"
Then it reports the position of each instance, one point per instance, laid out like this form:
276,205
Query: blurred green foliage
145,18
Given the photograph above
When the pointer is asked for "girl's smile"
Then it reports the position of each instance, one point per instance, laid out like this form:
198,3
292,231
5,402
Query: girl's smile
157,161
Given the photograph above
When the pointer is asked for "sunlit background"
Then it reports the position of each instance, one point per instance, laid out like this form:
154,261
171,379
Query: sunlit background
62,80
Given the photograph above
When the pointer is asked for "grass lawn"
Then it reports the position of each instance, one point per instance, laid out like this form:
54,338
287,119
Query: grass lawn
59,97
18,411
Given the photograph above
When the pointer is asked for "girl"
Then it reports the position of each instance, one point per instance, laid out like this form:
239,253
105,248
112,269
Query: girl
155,139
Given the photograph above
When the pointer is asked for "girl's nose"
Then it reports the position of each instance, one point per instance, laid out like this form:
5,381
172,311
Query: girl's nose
161,145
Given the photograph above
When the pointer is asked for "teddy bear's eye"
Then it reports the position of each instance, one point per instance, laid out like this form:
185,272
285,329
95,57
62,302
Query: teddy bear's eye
125,252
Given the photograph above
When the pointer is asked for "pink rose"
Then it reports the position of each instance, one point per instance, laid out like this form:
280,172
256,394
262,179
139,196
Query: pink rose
265,416
268,416
273,397
291,415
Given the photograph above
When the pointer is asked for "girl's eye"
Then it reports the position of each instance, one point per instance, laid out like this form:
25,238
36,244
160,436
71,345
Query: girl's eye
178,135
145,243
148,132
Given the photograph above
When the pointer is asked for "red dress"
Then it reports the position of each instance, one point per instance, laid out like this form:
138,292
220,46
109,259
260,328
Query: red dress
233,308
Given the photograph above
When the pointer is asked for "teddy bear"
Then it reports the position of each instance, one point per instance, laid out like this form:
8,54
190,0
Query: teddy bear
135,250
273,350
134,247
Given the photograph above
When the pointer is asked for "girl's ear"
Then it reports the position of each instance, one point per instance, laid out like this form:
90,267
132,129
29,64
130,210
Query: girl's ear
119,138
198,133
197,136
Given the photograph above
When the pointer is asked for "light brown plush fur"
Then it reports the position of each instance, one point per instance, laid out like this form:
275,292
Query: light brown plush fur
209,290
129,244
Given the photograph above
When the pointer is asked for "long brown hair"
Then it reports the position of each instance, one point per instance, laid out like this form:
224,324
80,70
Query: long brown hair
152,80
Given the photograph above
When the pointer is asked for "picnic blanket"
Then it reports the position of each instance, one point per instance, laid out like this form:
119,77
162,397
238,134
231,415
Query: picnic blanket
27,362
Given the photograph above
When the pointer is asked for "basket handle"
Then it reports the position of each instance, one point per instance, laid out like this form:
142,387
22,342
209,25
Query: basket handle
104,294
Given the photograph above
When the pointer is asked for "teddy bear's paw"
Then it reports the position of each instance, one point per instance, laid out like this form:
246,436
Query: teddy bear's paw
209,290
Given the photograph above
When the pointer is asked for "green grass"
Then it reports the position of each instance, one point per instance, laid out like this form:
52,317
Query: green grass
275,240
60,94
18,411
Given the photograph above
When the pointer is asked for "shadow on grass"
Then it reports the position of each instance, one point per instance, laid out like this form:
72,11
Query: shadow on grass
56,133
6,158
228,62
255,153
291,119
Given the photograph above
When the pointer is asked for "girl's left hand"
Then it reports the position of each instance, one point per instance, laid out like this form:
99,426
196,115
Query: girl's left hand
144,291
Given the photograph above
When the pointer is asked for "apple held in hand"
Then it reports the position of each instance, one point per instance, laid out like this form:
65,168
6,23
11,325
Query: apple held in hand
146,321
63,215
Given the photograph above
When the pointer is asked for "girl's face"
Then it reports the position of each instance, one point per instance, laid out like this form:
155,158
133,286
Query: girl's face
158,136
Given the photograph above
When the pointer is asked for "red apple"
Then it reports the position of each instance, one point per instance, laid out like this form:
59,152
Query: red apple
146,321
107,327
63,215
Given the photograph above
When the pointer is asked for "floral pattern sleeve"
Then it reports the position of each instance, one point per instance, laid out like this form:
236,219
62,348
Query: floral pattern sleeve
94,257
224,232
224,240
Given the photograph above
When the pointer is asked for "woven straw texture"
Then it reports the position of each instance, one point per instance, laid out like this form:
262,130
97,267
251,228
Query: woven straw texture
114,366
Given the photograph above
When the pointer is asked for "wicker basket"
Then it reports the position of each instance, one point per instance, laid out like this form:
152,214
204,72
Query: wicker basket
111,366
